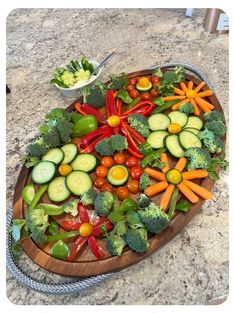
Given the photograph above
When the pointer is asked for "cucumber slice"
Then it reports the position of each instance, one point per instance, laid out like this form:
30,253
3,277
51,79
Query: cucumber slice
70,152
55,155
43,172
194,122
158,121
178,117
192,130
28,193
173,146
189,140
57,190
78,182
156,139
84,162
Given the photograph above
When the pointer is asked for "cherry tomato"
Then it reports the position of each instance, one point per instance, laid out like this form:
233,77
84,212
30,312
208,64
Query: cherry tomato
65,169
122,193
119,158
107,161
134,93
155,80
136,172
154,93
107,187
131,161
99,182
101,171
133,186
133,81
145,96
130,87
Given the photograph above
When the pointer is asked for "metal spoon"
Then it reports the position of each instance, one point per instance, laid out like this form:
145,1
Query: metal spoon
106,60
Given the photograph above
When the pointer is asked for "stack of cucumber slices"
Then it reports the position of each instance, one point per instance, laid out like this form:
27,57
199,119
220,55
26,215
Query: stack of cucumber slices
175,143
77,182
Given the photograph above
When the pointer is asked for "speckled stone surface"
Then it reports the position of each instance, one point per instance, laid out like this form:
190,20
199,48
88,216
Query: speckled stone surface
192,268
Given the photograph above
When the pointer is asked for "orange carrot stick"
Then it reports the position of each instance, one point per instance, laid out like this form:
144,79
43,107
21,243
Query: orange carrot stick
166,197
202,105
194,174
206,93
183,87
199,87
179,91
169,98
180,165
199,190
164,159
155,174
196,110
190,85
177,105
209,105
187,193
155,189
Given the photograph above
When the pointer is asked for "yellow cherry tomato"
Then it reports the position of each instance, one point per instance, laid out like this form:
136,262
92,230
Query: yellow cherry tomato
143,82
174,128
173,176
113,121
86,229
65,169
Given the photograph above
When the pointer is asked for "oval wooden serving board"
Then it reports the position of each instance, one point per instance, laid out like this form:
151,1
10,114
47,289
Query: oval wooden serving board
86,264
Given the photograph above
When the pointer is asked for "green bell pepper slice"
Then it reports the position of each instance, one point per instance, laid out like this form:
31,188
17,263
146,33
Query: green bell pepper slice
124,95
133,102
145,148
84,125
128,204
60,250
75,117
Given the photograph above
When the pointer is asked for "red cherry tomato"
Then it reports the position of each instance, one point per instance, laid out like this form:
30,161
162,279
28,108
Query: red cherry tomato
130,87
136,172
107,187
131,161
155,80
133,81
99,182
145,96
133,186
119,158
122,193
101,171
154,93
134,93
107,161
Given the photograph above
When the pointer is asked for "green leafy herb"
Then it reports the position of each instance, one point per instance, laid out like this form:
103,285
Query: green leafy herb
16,227
16,250
215,164
53,228
120,228
183,206
118,82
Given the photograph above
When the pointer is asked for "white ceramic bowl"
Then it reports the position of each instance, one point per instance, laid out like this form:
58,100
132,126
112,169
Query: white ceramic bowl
75,92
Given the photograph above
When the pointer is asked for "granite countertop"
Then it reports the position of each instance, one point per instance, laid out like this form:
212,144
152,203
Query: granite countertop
192,268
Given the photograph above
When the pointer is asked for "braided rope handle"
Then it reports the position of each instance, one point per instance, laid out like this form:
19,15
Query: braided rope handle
83,284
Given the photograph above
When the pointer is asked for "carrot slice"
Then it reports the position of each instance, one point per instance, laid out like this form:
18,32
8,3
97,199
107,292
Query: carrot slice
155,189
187,192
200,86
208,104
164,159
202,105
199,190
169,98
190,85
195,174
155,174
206,93
196,110
180,165
183,87
177,105
166,197
179,91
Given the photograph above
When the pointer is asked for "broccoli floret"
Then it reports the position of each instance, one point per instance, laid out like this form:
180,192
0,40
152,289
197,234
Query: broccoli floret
88,197
93,96
144,181
186,108
103,203
137,239
71,207
58,114
52,138
37,221
154,219
198,158
115,244
65,129
117,82
217,127
37,148
118,143
38,235
214,146
144,201
206,134
214,116
140,124
103,147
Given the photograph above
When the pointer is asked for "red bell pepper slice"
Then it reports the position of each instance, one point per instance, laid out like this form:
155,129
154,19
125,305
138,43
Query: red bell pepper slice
87,139
76,247
131,142
86,109
143,107
140,139
83,214
97,230
99,220
111,108
119,106
91,147
95,247
71,225
134,153
78,108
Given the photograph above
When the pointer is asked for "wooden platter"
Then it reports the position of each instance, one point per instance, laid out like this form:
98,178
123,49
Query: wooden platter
86,264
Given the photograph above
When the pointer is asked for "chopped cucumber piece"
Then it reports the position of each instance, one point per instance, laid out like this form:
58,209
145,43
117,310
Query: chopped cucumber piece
43,172
156,139
57,190
189,140
159,121
55,155
178,117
